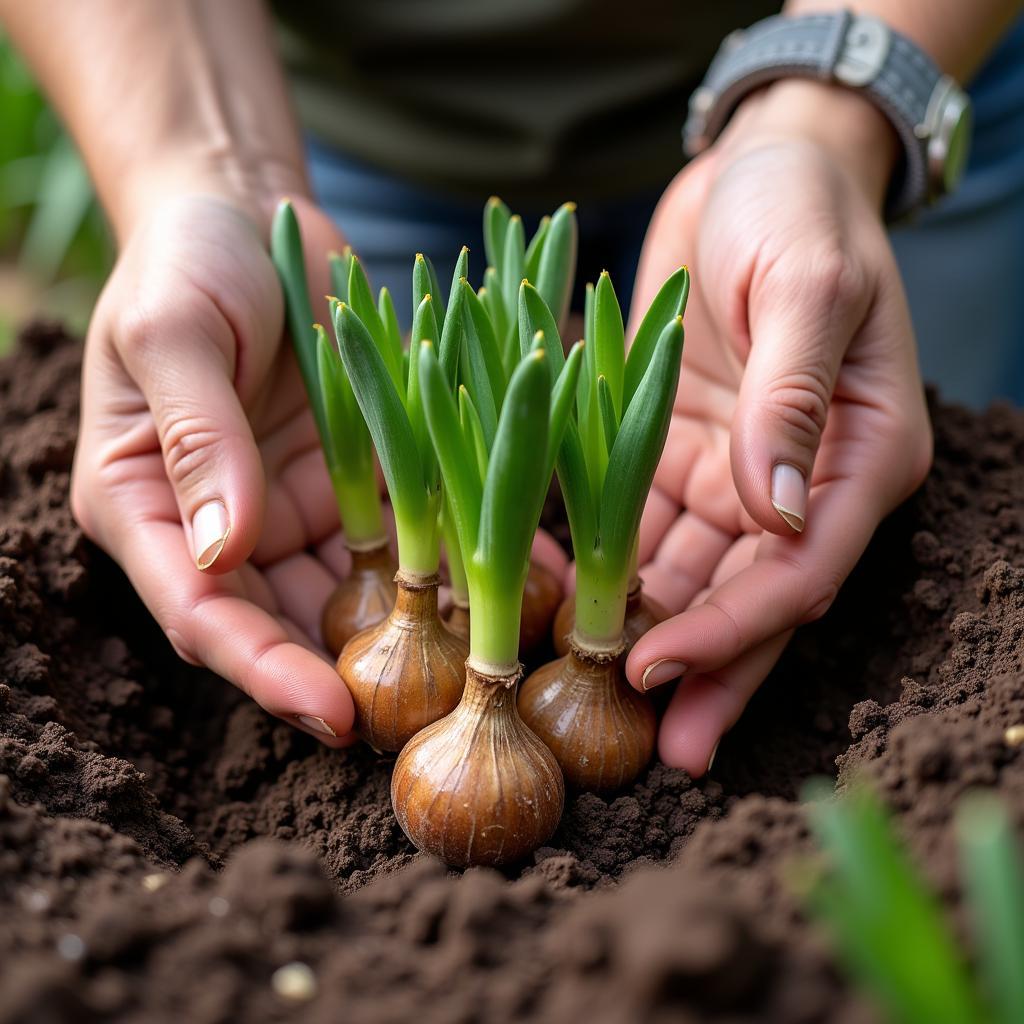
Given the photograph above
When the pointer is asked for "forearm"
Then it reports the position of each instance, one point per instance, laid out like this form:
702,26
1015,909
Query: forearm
165,97
955,34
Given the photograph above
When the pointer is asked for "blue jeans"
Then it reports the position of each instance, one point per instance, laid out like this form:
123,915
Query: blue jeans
962,262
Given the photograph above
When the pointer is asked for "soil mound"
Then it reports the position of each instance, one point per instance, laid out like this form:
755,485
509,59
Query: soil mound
166,848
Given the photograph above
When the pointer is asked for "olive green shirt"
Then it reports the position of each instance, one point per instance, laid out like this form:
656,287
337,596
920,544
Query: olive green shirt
533,99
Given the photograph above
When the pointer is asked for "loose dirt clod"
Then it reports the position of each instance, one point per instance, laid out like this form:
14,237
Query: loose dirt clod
118,762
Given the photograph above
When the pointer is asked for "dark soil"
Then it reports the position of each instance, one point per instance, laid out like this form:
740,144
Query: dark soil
165,846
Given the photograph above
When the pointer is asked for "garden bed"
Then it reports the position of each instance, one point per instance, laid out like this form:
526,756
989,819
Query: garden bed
165,846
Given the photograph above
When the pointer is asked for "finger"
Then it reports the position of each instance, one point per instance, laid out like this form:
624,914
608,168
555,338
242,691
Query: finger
302,586
684,561
549,553
802,317
210,623
791,581
183,361
704,707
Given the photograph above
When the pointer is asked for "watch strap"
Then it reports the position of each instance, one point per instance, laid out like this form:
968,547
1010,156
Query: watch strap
856,51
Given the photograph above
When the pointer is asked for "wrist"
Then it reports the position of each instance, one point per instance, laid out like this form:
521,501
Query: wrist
254,183
848,126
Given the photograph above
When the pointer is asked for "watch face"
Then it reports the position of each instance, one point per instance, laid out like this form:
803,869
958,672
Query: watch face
955,130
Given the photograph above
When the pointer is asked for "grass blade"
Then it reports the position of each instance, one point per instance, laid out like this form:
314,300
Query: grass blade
609,340
994,883
669,303
638,446
388,316
888,924
557,268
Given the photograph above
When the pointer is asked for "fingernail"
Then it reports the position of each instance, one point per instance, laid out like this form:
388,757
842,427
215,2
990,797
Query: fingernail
789,494
661,671
210,529
316,724
711,759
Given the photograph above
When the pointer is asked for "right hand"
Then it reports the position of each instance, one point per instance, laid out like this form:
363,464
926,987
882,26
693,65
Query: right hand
198,465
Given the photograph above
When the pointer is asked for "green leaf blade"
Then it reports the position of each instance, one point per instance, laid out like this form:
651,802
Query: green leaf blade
638,447
669,303
496,218
557,268
609,340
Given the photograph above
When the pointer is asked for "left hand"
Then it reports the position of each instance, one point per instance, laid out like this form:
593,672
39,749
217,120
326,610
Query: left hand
800,355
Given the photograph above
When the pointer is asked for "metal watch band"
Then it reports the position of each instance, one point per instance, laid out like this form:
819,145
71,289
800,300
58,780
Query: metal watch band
855,51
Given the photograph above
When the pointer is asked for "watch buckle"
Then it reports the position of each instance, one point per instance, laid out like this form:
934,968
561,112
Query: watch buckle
864,51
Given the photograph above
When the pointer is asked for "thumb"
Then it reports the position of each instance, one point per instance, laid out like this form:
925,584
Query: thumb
801,322
183,360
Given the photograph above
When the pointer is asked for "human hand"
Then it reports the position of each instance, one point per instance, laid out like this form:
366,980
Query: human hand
198,465
800,365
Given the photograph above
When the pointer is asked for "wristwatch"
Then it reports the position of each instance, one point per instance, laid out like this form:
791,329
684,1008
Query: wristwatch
930,112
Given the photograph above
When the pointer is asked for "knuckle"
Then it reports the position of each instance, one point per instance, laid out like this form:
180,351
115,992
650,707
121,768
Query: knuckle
821,598
834,278
189,442
798,404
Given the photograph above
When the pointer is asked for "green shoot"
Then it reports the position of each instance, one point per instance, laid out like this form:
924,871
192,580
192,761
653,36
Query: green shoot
890,928
343,434
496,491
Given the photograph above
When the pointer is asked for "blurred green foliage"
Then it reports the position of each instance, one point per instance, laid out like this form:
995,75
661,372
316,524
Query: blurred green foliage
890,927
55,249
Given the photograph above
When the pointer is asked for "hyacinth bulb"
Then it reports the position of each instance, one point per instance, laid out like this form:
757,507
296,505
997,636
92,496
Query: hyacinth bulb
541,598
407,671
478,787
363,599
458,620
643,613
601,731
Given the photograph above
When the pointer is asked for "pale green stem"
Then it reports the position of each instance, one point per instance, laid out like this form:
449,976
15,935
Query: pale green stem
419,541
495,607
600,604
359,506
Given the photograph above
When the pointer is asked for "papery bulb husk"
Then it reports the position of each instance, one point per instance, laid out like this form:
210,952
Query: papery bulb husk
478,787
541,598
458,621
407,671
643,613
362,599
601,731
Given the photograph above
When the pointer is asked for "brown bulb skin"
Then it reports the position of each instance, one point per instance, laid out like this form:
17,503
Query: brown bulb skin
541,598
458,621
362,599
407,671
477,787
601,731
643,613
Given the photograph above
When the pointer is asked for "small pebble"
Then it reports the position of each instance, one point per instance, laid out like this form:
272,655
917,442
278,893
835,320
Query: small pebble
38,901
218,906
154,881
70,947
1014,736
295,982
